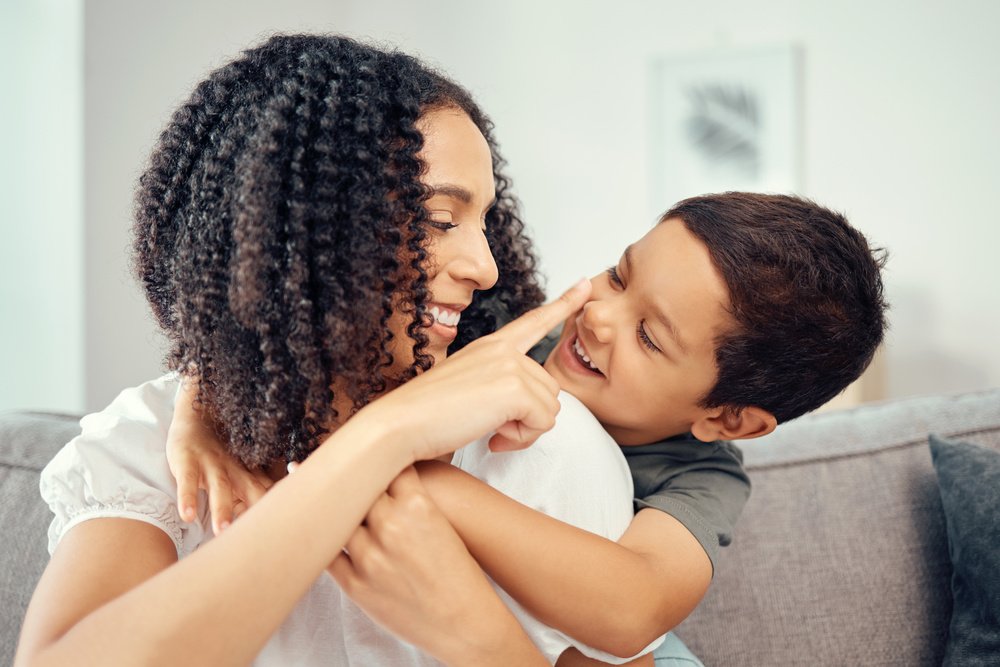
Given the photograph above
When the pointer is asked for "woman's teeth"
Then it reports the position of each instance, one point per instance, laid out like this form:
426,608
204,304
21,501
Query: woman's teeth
583,355
448,318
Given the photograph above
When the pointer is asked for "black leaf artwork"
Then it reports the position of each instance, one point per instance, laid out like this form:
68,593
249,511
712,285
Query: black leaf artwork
724,126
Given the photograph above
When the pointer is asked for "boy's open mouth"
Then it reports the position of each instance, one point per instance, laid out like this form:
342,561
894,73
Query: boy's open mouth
581,356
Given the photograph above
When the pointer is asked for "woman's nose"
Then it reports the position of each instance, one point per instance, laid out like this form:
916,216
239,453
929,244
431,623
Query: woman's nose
472,260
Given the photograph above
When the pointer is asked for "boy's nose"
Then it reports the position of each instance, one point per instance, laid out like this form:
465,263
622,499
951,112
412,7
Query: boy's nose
598,318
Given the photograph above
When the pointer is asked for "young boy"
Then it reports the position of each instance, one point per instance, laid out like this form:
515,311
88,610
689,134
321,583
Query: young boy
735,313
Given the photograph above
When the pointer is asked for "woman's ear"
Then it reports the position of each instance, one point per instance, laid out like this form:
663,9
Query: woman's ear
728,424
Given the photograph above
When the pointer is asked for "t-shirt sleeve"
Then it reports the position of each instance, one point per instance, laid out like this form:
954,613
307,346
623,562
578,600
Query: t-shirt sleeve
117,468
702,485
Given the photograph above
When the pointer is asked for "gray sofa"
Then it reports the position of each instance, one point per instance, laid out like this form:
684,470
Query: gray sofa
840,558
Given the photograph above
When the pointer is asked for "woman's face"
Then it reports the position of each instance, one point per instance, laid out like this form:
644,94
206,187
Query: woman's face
460,176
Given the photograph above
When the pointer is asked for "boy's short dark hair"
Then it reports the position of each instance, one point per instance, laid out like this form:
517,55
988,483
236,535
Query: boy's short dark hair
806,291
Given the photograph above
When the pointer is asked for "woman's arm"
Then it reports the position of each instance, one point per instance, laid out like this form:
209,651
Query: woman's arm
113,594
616,597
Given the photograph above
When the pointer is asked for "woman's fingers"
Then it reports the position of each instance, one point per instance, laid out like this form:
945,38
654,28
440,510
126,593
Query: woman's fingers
513,436
366,558
342,571
487,384
521,433
531,327
406,482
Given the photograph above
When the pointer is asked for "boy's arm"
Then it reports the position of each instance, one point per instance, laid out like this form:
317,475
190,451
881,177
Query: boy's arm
573,658
616,597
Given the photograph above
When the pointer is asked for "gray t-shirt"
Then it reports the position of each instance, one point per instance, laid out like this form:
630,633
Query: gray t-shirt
701,484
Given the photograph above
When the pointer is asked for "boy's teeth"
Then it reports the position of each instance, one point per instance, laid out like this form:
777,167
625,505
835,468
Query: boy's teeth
583,355
447,317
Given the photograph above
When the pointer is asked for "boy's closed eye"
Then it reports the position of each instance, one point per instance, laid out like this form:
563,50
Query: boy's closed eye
640,326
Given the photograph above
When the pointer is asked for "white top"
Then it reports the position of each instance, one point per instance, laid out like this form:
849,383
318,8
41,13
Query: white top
117,468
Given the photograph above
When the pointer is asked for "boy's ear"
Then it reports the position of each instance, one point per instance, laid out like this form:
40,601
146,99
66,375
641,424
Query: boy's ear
727,424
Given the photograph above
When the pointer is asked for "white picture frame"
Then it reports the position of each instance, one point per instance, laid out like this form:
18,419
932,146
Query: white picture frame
725,120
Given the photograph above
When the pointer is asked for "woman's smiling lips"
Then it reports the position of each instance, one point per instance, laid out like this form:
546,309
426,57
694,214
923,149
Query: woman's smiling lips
445,318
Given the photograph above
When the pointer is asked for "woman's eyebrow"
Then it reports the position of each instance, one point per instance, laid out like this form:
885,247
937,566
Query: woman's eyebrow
661,316
457,192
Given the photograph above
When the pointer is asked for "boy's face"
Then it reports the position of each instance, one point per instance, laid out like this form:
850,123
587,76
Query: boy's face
649,332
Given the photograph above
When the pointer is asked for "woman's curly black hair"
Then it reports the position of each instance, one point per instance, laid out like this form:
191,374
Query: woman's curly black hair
280,224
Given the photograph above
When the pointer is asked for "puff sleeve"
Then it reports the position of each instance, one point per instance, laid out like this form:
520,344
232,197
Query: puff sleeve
117,468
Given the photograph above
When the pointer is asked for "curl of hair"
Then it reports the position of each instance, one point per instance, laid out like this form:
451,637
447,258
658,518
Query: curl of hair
280,224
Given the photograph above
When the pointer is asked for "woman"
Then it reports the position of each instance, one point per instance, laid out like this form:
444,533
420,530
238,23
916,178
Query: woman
301,213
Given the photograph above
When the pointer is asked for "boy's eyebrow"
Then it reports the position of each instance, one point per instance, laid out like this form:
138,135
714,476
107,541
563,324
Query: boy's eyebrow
457,192
660,315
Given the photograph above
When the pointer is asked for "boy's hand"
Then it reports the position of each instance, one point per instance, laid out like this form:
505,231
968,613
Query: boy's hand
198,460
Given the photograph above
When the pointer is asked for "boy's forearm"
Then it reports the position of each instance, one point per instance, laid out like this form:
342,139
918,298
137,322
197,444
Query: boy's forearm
573,658
614,597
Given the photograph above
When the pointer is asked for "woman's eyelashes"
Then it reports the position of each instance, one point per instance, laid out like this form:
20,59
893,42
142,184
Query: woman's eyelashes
640,328
440,219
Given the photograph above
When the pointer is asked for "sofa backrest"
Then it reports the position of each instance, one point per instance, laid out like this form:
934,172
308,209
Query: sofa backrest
841,555
27,441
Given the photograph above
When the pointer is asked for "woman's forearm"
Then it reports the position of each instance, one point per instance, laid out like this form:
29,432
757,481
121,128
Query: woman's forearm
616,597
220,605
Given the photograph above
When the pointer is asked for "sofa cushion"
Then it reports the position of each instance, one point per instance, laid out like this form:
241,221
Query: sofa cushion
969,481
841,556
27,442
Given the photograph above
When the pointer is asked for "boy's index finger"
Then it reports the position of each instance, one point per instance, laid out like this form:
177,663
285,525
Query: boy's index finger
531,327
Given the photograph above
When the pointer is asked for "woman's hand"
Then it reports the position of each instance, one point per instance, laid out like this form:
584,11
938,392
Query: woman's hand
198,460
490,385
410,572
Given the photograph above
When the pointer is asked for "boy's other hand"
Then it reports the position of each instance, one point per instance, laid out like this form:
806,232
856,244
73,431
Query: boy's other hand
198,460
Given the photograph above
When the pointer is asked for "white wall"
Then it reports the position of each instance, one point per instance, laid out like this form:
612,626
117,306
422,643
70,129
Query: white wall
41,200
142,60
900,103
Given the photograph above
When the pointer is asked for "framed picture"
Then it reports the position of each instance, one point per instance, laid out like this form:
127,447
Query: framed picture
725,120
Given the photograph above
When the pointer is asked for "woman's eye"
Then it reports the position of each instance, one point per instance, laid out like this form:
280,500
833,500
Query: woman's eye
640,331
614,277
440,219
